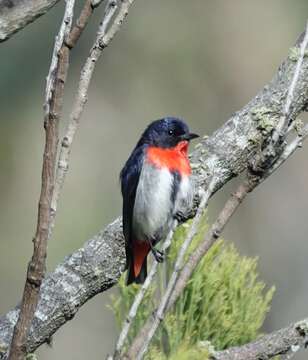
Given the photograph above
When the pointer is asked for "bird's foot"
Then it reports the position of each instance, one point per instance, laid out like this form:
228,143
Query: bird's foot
180,216
158,255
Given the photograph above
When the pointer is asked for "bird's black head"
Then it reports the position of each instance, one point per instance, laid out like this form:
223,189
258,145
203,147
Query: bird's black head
166,133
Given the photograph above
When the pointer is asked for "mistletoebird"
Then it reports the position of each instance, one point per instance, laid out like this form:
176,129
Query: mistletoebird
156,188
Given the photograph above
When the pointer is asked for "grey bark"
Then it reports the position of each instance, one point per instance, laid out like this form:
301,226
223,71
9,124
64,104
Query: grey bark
16,14
284,341
98,265
88,271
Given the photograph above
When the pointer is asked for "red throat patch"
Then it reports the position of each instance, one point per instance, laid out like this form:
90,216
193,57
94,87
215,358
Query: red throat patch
175,159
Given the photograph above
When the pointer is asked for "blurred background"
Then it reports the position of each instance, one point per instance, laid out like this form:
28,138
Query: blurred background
200,60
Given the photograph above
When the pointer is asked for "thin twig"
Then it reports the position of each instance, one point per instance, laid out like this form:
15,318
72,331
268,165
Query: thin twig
139,297
103,38
159,314
283,123
289,150
60,38
36,267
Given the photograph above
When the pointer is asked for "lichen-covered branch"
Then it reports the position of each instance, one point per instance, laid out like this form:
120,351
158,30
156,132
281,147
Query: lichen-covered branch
16,14
269,153
88,271
98,265
286,341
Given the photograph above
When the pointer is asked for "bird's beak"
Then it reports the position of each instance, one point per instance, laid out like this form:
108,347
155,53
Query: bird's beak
193,136
189,137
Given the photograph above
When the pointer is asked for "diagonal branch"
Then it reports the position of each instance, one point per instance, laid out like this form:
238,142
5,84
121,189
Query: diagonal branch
286,341
265,159
16,14
98,265
176,286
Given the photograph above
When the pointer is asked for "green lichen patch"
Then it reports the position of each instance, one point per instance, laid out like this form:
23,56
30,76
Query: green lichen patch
294,53
298,126
31,356
302,327
3,348
266,119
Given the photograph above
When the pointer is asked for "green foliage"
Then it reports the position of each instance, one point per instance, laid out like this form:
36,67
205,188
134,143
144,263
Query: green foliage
184,351
31,356
224,303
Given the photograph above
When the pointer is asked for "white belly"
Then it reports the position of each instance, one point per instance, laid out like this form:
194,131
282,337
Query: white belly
153,208
184,198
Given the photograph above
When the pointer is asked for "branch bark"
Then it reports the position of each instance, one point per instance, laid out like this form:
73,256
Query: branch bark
98,265
16,14
285,341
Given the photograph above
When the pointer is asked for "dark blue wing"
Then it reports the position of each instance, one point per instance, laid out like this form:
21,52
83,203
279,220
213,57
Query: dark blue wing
129,177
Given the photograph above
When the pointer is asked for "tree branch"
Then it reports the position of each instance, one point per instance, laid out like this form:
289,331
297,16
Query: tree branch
98,265
16,14
139,297
286,341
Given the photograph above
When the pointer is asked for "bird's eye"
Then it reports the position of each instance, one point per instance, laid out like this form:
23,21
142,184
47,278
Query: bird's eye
170,132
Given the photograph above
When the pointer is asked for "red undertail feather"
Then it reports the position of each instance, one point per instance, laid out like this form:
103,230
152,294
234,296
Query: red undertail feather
140,250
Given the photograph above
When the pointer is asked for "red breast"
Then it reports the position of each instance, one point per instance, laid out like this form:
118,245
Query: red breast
175,159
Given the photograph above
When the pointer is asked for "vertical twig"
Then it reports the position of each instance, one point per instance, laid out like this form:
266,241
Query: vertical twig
159,314
139,297
36,267
103,38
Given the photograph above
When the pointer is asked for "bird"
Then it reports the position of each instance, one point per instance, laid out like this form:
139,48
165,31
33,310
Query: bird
157,187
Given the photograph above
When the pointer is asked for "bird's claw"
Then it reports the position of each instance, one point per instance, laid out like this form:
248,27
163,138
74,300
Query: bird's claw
179,216
158,255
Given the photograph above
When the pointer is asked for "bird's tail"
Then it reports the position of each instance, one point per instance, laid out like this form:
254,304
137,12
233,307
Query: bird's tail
137,264
140,278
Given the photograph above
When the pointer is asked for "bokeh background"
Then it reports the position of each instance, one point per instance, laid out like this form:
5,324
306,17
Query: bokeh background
200,60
